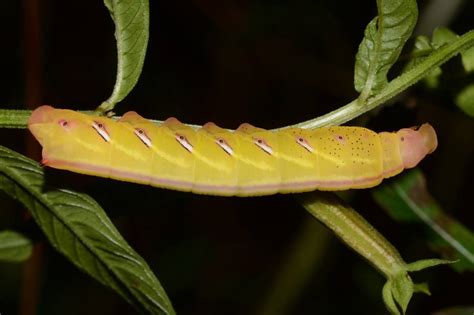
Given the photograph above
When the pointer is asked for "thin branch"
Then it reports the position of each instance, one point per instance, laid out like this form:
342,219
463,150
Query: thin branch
19,118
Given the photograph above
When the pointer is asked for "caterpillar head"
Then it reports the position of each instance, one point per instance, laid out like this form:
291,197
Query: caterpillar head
48,123
415,144
40,122
59,131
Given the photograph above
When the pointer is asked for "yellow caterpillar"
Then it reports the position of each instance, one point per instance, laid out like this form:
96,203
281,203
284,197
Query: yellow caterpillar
246,162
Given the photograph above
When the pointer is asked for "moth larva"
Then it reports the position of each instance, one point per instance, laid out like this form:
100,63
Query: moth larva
246,162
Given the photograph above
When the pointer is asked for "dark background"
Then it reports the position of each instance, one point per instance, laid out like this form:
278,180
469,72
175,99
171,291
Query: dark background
270,63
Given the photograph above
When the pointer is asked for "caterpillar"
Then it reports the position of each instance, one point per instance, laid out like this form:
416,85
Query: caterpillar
210,160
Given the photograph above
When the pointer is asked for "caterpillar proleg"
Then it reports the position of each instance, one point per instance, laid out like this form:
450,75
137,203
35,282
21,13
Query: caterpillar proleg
246,162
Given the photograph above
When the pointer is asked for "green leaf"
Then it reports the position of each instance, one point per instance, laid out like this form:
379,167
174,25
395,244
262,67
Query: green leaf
388,298
398,291
383,41
467,57
402,290
14,247
399,288
465,100
79,228
422,48
427,263
422,288
131,18
407,199
442,36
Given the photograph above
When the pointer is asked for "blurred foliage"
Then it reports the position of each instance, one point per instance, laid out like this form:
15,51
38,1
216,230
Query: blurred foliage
464,97
460,310
14,247
465,100
407,200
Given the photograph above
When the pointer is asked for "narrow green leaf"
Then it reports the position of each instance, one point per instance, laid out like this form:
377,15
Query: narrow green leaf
468,59
131,18
423,45
383,41
407,199
465,100
422,48
422,288
79,228
427,263
388,298
442,36
402,290
14,247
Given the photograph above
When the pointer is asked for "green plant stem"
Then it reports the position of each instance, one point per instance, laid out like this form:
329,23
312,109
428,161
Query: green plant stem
19,118
396,86
14,118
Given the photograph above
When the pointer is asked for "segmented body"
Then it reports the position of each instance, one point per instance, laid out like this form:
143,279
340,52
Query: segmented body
246,162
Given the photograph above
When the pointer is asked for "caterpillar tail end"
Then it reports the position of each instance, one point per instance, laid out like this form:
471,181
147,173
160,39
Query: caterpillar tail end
415,144
429,135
